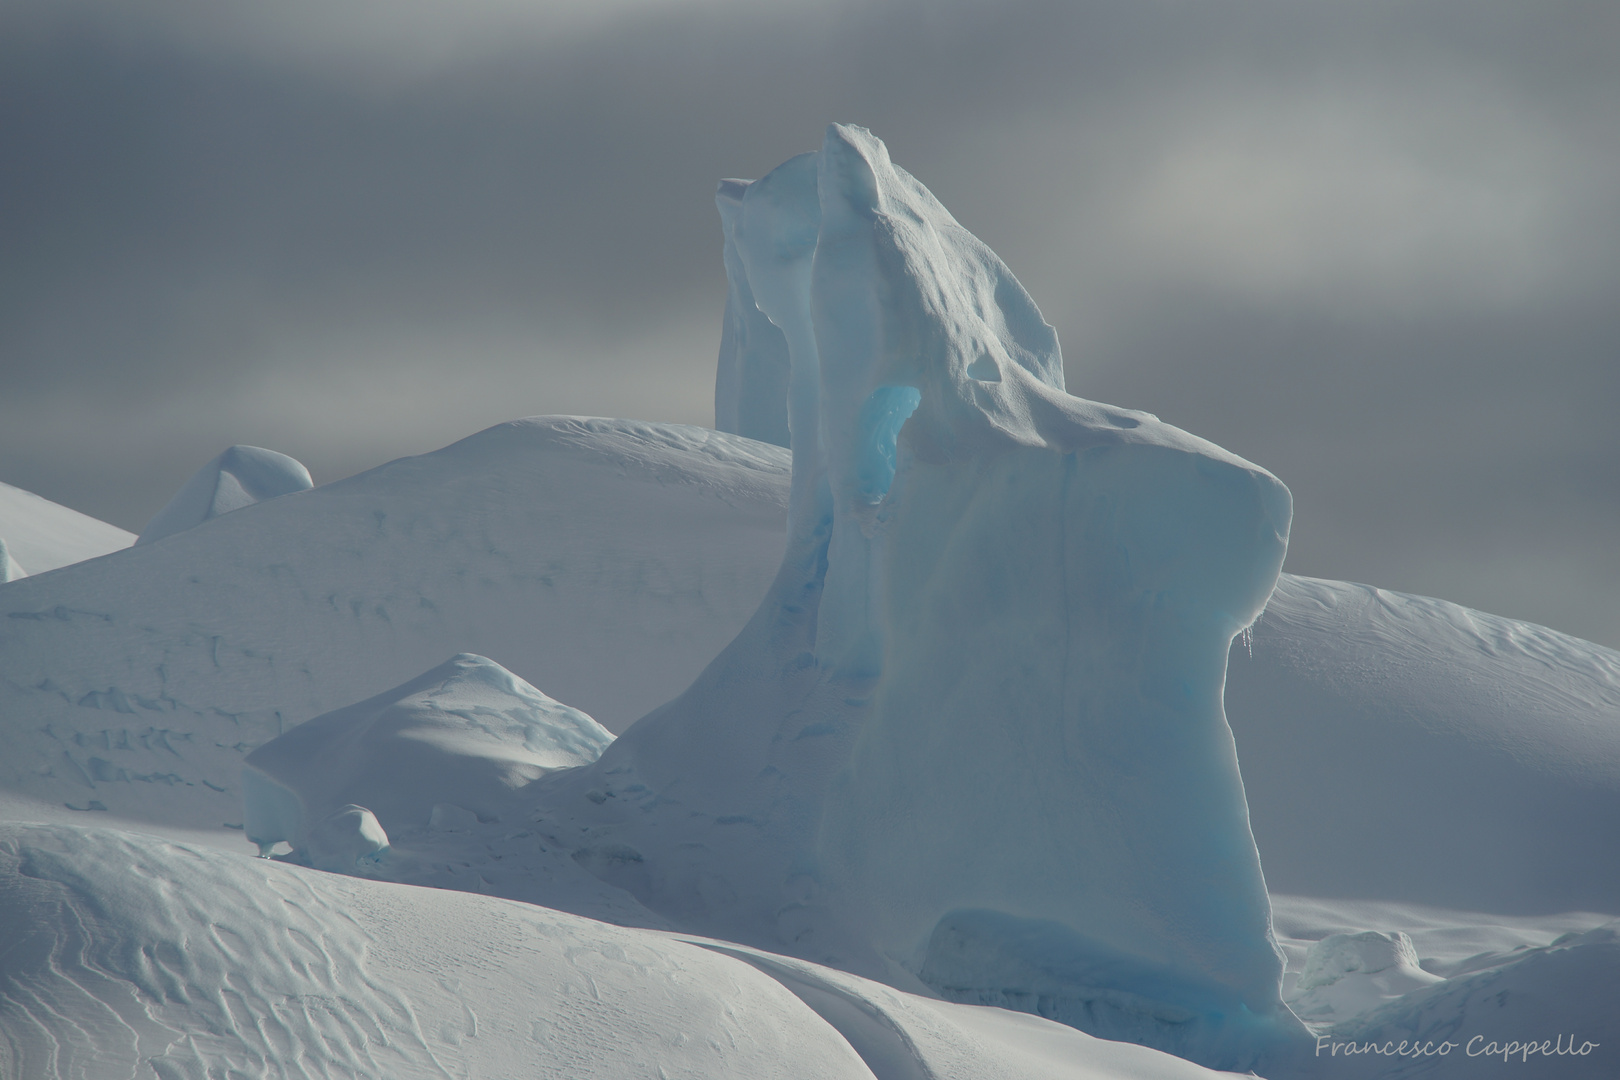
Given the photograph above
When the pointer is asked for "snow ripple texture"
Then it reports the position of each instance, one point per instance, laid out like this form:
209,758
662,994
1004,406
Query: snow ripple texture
128,957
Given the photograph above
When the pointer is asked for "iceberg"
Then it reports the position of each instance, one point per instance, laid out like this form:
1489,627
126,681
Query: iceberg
984,690
42,535
10,569
751,378
969,754
240,476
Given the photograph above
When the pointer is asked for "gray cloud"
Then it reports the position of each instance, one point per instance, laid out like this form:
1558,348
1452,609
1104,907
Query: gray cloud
1371,246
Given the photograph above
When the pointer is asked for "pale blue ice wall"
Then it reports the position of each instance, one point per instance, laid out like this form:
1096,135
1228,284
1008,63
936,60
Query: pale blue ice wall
978,720
751,379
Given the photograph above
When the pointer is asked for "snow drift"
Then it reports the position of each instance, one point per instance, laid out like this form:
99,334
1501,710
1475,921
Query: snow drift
465,736
179,962
604,560
240,476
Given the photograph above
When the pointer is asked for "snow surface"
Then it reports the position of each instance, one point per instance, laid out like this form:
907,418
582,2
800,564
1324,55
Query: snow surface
1402,748
1350,974
466,734
240,476
41,535
126,955
1442,779
605,560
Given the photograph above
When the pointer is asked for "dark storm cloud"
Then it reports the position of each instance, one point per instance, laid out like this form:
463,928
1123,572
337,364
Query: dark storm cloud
1371,246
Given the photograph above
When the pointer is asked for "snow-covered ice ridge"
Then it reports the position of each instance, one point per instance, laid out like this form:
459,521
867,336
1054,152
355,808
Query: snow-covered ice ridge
605,561
39,535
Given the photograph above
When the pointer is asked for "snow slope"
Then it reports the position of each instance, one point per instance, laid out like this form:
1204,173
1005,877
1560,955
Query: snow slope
464,737
124,955
1377,732
41,535
1402,748
606,561
1426,974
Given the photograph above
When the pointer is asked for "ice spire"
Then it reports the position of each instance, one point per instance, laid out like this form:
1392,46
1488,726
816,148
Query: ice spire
976,730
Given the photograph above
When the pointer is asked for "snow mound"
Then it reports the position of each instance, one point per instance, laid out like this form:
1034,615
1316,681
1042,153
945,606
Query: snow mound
1000,605
345,841
1368,953
1350,974
605,560
1409,749
1549,1011
240,476
42,535
466,734
902,1036
124,954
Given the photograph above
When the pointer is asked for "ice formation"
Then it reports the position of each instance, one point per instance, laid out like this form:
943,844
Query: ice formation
983,698
468,734
964,744
10,569
240,476
751,379
1349,974
42,535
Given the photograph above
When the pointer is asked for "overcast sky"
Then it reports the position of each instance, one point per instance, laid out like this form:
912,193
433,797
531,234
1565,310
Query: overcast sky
1373,246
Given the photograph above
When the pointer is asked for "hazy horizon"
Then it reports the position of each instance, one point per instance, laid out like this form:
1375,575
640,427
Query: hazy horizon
1370,247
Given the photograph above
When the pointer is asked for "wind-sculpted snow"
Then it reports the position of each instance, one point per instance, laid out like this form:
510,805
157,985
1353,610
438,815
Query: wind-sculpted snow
1405,748
606,561
41,535
240,476
125,956
988,676
1548,1011
468,734
429,784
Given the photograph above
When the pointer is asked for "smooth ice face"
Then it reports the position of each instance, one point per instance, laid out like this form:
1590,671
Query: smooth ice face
978,719
240,476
